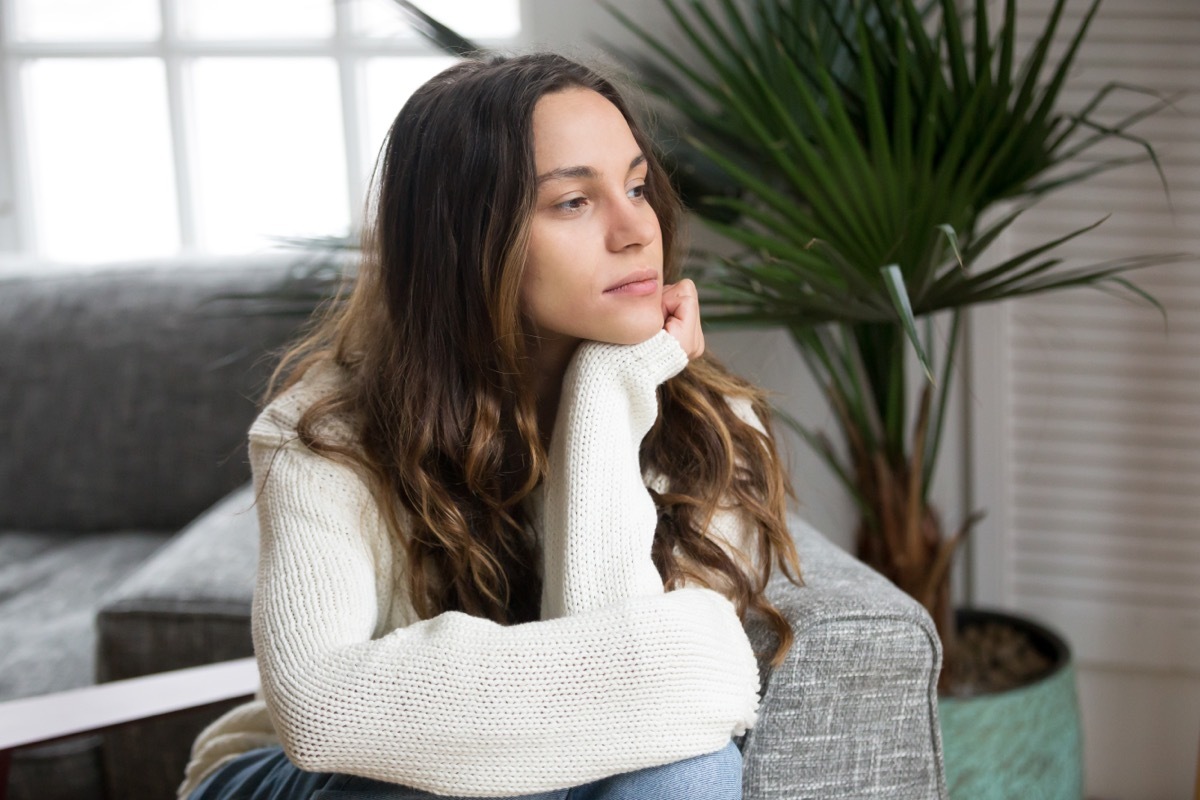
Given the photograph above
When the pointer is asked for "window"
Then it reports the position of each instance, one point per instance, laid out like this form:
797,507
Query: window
140,128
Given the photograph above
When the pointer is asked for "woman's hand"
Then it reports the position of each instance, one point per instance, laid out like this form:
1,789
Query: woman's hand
681,315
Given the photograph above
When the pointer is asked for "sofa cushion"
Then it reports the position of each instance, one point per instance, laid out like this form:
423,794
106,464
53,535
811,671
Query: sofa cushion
51,585
128,391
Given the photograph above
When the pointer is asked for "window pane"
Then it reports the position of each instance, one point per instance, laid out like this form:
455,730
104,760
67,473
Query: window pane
86,19
270,157
255,19
100,157
480,19
389,82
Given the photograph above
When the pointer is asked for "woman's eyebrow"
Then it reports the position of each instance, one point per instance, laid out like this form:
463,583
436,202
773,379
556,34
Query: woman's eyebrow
588,173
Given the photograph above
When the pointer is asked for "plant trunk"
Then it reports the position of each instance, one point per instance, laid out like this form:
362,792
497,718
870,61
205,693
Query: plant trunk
905,543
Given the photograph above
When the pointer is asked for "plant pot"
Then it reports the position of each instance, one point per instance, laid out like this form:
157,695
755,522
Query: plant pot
1024,742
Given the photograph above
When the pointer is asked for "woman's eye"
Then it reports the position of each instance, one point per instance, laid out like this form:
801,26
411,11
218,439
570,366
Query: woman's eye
574,204
638,191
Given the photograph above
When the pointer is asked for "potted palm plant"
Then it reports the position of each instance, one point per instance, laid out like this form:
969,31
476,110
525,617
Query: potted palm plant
862,156
865,158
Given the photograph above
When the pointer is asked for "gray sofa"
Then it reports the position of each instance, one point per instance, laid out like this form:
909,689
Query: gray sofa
128,546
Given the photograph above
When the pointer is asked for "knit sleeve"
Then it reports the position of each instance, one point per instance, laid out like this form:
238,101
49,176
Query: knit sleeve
598,518
457,704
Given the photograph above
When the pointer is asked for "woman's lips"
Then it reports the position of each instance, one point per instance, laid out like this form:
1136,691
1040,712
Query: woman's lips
640,282
637,288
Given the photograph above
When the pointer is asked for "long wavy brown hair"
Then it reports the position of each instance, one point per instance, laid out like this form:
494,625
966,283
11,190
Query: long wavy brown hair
432,343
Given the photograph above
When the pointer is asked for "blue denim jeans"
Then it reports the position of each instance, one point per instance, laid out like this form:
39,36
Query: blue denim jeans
267,774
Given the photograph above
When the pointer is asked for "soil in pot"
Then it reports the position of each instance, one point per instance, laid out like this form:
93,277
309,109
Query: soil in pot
993,655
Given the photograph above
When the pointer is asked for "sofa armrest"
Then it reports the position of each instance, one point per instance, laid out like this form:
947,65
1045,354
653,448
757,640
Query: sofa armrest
852,710
189,603
30,721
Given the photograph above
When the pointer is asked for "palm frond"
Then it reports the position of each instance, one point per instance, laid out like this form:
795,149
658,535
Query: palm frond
441,36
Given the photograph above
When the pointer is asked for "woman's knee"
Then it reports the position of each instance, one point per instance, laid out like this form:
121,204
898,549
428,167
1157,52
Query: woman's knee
712,776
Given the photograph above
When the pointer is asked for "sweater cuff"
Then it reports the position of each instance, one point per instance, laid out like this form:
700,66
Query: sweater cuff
644,365
662,356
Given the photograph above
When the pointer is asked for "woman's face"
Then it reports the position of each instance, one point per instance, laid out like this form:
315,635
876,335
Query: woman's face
595,264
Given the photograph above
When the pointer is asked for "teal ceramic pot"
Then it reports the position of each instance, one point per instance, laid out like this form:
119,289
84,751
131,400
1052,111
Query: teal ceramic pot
1021,743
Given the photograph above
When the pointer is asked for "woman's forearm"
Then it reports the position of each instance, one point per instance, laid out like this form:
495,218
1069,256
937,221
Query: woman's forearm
599,520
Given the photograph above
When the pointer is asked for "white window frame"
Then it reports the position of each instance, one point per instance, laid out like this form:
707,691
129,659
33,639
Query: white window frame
18,230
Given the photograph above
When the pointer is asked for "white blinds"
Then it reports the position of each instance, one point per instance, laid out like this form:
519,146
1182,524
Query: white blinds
1097,444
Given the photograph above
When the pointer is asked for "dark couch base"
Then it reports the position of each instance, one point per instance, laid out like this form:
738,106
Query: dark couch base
131,776
66,770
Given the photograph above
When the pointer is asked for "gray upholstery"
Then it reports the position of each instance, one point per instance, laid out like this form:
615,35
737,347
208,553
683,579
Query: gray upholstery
155,409
852,710
50,586
128,387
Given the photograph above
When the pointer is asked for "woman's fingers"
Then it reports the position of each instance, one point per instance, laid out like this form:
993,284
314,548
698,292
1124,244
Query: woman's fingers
681,315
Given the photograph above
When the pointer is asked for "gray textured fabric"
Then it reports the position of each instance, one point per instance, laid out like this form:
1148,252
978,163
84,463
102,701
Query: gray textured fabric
127,393
852,710
51,585
203,577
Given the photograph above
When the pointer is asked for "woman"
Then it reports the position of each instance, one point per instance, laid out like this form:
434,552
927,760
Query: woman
491,564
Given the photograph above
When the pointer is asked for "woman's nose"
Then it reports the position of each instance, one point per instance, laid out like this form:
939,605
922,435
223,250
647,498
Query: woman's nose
631,224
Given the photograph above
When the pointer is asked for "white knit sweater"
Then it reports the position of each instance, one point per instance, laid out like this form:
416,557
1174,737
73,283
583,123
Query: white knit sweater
617,675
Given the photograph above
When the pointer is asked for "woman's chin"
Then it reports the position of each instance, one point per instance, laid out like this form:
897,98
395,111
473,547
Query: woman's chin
631,327
635,334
